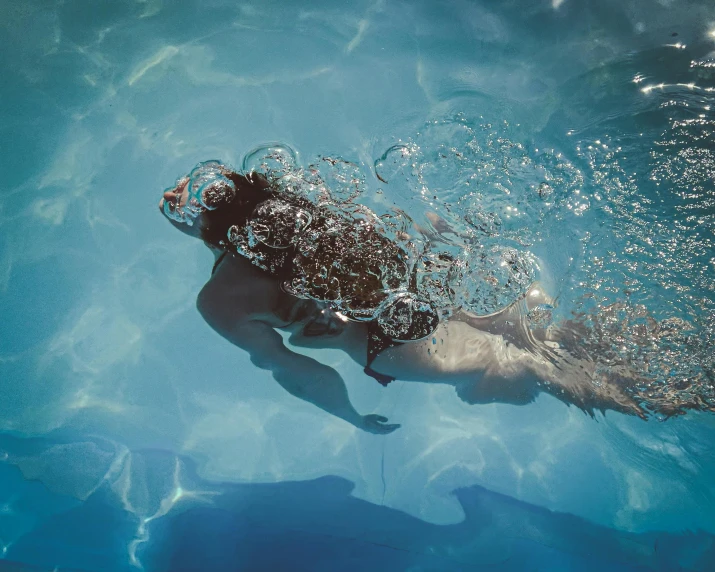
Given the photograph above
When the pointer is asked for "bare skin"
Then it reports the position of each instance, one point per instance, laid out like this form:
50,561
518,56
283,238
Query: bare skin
487,359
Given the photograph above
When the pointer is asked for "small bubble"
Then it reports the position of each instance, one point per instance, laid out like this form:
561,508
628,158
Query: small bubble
544,191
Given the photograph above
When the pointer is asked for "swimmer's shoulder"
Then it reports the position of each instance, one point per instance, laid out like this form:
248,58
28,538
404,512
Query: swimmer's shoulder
239,272
237,289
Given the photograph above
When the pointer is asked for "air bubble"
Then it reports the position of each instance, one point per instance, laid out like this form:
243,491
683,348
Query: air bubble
272,160
540,317
487,223
544,191
406,317
278,224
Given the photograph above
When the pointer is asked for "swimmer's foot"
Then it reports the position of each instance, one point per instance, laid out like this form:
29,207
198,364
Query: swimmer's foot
612,390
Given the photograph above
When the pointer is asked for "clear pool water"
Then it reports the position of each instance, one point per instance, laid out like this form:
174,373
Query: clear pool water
134,437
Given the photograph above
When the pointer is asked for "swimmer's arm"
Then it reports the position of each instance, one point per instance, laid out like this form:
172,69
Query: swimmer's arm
300,375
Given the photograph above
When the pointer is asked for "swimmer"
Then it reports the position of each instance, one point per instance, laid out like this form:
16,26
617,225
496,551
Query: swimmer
331,281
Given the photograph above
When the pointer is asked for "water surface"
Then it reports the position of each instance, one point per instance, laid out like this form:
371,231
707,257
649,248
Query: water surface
132,433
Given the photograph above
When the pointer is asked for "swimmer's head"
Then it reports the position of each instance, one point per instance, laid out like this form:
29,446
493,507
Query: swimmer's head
205,189
210,199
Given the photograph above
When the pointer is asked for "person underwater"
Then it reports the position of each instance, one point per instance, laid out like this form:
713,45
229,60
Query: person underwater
334,280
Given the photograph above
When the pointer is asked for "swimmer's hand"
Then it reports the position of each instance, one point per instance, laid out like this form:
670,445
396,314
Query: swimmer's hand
377,424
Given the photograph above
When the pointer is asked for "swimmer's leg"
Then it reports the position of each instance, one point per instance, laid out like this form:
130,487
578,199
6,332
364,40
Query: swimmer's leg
555,357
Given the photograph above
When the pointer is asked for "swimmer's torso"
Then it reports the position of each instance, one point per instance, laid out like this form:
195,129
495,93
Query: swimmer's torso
455,352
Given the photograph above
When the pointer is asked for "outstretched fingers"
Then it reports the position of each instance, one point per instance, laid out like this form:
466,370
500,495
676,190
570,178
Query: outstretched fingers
378,425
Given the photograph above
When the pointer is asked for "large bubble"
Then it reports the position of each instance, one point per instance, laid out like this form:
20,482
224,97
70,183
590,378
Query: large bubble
275,161
278,224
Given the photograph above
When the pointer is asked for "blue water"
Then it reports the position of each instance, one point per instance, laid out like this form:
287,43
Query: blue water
134,437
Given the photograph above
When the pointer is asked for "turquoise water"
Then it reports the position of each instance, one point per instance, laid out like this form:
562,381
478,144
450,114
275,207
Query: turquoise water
132,436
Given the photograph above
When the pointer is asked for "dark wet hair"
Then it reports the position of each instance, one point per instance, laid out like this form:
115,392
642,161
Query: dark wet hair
336,258
251,190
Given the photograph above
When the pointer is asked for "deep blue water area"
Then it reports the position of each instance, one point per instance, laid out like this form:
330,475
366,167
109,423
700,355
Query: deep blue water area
318,525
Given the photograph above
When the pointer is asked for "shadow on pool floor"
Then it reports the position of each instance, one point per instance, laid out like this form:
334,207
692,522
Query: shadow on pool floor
318,526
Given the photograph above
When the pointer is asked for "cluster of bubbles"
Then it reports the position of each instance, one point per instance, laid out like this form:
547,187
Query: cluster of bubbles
461,214
475,200
342,251
481,200
647,294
